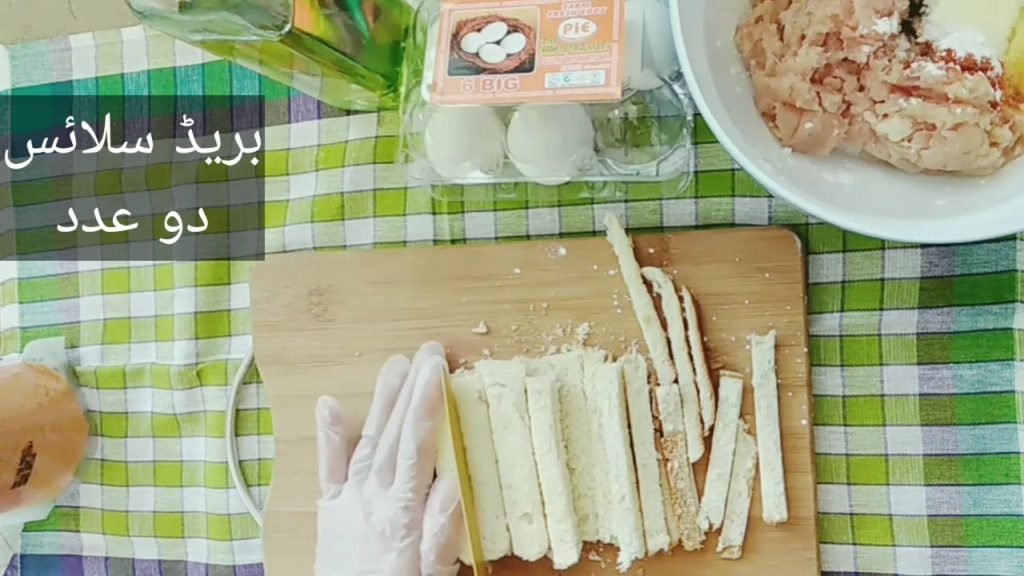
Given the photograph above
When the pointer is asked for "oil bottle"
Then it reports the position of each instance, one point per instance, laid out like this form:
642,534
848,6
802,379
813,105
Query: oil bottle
347,53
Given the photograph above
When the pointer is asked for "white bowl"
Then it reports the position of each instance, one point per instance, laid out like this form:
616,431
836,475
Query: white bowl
858,195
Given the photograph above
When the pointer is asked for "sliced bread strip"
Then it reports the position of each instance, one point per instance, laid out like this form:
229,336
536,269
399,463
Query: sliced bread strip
673,313
584,461
741,490
700,363
643,304
505,386
549,453
641,426
683,503
482,464
593,360
723,448
671,520
774,508
606,390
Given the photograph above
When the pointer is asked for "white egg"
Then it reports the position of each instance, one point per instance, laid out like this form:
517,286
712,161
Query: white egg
492,54
514,43
494,31
550,143
472,42
464,141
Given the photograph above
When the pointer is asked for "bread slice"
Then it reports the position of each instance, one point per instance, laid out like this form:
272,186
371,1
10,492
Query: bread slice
741,489
645,454
482,464
700,363
643,304
774,508
606,391
673,313
505,387
683,503
593,360
584,460
549,453
723,448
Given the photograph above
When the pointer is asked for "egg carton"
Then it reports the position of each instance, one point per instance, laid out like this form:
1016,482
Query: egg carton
589,150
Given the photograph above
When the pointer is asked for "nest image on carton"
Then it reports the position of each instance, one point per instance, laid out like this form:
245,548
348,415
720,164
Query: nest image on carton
492,44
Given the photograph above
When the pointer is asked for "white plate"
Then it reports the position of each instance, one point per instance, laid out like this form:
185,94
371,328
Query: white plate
854,194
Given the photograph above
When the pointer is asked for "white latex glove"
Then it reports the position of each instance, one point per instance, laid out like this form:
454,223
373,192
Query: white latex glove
382,513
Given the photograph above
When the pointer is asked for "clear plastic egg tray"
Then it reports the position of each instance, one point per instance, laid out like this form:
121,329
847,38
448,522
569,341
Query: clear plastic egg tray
579,149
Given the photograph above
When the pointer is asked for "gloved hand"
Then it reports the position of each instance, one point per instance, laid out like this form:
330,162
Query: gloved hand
381,513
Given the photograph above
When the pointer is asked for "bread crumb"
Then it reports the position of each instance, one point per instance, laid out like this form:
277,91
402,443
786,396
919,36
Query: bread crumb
481,328
618,310
595,267
487,352
513,327
531,307
613,272
650,250
746,301
517,271
583,333
803,422
593,556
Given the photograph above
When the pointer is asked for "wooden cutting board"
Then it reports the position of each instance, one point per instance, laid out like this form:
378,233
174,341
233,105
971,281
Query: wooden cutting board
324,323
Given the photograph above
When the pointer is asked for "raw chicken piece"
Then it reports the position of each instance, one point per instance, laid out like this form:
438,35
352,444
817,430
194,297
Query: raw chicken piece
845,74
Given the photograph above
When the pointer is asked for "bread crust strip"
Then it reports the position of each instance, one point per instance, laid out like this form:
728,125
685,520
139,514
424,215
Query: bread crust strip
672,310
774,508
643,304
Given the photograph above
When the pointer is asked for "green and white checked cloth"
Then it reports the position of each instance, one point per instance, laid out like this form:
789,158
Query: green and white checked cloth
918,351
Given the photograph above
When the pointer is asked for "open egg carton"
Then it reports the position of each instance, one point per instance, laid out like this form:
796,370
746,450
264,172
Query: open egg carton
598,150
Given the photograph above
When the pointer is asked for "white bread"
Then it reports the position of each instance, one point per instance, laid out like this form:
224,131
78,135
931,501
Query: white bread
505,387
581,454
549,453
723,448
673,313
482,464
593,360
606,391
700,363
643,304
741,489
683,502
648,475
774,508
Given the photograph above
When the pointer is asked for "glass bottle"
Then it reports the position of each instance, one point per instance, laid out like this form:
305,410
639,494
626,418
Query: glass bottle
347,53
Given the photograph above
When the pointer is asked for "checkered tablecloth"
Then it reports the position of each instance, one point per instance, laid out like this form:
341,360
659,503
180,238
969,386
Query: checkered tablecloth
917,351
